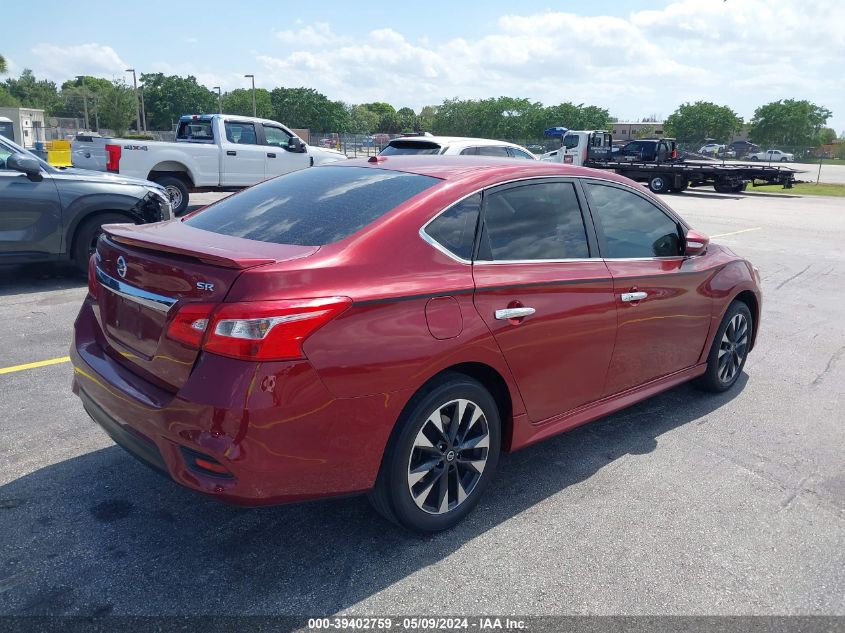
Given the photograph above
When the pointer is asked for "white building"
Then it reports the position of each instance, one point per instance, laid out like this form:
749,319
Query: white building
27,125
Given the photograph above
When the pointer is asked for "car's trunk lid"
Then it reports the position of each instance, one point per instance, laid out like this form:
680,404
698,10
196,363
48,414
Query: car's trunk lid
146,274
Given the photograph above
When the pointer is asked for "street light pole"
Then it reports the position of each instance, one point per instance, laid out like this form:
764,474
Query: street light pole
137,102
143,111
254,110
219,100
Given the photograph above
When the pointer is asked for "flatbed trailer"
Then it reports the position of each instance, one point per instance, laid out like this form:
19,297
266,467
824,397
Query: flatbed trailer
677,175
656,162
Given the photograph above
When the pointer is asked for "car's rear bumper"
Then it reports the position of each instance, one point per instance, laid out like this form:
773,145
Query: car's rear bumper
274,428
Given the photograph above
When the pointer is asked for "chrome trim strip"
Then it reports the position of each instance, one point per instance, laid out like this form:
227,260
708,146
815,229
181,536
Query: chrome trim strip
143,297
537,261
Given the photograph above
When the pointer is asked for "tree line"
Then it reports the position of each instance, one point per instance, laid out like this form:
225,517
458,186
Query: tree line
112,105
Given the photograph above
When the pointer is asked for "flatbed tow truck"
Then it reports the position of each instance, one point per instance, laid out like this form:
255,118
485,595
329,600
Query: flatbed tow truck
656,162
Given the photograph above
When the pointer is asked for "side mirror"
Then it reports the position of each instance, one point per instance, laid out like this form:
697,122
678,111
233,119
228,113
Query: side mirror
25,164
695,243
296,145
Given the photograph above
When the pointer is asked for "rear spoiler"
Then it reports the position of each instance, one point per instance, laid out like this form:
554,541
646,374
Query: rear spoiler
157,237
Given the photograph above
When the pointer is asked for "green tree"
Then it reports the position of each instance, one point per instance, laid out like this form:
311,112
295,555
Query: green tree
425,119
788,123
362,120
240,102
407,119
74,95
117,107
2,65
827,135
167,97
34,93
388,121
309,109
702,120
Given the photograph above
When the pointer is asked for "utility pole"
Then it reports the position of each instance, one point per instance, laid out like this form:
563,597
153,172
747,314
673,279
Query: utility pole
143,110
84,93
219,100
137,102
254,110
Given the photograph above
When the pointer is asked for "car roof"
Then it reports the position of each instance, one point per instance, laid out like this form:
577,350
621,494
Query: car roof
453,140
480,167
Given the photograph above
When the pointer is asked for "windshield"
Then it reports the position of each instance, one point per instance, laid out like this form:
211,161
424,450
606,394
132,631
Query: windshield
8,147
399,148
311,207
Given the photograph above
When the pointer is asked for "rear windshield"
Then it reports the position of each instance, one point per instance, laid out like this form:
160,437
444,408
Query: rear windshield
398,148
196,130
311,207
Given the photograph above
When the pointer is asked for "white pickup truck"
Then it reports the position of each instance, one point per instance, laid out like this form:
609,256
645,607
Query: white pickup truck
214,152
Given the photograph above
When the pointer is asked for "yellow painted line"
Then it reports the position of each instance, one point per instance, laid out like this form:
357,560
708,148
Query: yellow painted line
756,228
36,364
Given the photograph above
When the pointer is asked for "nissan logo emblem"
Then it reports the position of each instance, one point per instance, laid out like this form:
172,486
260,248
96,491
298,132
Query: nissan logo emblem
121,266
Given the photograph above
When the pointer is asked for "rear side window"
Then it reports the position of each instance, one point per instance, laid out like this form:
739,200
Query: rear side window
492,150
400,148
518,153
536,221
311,207
454,229
195,130
632,226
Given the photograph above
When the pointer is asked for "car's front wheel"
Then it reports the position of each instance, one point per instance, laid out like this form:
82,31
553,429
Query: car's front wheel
729,350
441,456
86,236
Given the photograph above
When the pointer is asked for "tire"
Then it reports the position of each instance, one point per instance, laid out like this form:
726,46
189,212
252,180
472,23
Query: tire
732,342
87,234
784,160
659,183
177,191
684,186
753,158
411,489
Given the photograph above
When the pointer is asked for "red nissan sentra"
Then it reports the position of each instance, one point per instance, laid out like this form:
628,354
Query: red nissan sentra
390,326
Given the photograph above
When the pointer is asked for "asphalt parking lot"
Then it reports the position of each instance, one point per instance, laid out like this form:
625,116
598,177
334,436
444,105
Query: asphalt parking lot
687,503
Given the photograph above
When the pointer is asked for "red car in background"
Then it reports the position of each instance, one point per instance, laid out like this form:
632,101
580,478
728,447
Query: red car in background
390,326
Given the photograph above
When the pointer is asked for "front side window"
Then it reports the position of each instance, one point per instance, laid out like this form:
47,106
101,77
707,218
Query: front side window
4,154
276,136
454,229
536,221
633,227
570,141
518,153
241,133
311,207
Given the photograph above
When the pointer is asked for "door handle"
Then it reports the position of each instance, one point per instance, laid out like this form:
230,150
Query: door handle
271,155
513,313
231,152
634,296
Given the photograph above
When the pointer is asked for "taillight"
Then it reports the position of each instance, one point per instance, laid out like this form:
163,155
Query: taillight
255,330
93,285
190,323
112,157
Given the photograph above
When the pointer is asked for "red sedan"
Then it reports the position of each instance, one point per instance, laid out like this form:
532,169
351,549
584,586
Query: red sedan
391,326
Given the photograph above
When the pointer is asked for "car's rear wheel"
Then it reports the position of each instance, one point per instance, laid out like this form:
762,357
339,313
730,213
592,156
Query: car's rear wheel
753,158
729,350
784,160
85,239
441,456
176,190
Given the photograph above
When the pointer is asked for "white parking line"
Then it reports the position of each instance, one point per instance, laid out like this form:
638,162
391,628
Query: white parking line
756,228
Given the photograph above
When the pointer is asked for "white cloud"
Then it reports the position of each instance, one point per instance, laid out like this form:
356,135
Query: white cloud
742,54
60,63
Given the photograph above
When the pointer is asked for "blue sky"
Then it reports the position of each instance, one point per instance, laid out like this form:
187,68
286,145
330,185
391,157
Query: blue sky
637,58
